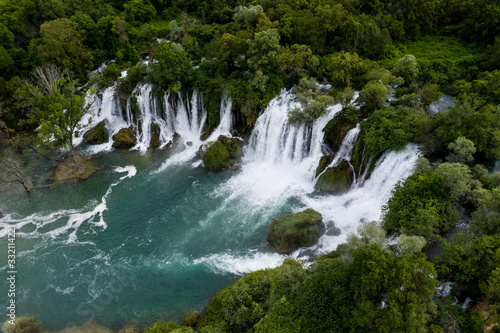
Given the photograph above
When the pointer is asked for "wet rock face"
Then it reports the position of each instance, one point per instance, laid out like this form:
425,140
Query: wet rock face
96,135
290,232
125,138
337,179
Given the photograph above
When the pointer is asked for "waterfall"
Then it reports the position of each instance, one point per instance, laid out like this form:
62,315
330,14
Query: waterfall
147,112
274,140
347,146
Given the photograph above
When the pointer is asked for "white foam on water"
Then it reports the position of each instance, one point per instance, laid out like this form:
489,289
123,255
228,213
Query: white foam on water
75,218
240,264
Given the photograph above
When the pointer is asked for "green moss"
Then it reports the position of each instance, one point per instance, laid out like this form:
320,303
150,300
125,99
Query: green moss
289,232
337,179
125,138
96,135
216,156
155,140
323,163
337,128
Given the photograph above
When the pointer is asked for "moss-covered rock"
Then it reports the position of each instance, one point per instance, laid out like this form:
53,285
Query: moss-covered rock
97,135
323,163
336,179
289,232
155,136
337,128
221,154
75,165
125,138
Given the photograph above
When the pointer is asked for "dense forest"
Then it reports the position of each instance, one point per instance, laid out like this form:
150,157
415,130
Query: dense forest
441,224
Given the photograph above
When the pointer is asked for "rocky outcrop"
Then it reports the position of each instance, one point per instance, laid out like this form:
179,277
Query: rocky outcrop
97,135
221,154
337,128
125,138
290,232
155,136
336,179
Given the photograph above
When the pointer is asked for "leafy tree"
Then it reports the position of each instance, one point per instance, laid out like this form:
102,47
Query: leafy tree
429,94
313,102
457,179
264,49
420,206
373,96
470,118
139,11
176,32
462,150
343,68
246,17
393,128
297,60
61,44
57,106
486,219
173,66
407,68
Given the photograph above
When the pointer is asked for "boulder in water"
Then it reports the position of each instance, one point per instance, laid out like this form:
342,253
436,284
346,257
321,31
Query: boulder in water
289,232
155,140
337,179
221,154
97,135
125,138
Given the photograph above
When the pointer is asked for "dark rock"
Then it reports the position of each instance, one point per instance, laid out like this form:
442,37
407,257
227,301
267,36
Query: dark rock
323,163
97,135
332,229
290,232
155,140
125,138
337,128
337,179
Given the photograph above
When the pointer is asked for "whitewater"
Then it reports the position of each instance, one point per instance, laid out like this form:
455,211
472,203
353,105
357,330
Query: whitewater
155,233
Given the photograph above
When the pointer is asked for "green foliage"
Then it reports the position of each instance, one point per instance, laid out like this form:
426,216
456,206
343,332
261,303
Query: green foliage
23,324
429,93
468,259
298,60
173,66
162,327
462,150
457,178
216,156
263,49
407,68
373,96
61,43
470,118
486,219
420,206
409,244
246,17
393,128
57,106
139,11
313,102
343,68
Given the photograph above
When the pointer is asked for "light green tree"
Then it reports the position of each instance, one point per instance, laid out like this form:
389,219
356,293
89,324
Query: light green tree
263,49
462,150
246,17
407,68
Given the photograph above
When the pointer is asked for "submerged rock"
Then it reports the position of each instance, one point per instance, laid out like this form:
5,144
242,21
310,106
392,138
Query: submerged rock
290,232
337,179
125,138
88,327
221,154
97,135
75,165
